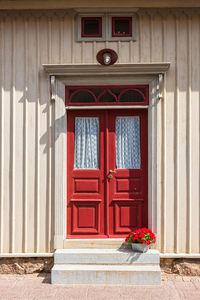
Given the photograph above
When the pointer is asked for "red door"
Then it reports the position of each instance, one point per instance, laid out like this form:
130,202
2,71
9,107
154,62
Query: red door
107,172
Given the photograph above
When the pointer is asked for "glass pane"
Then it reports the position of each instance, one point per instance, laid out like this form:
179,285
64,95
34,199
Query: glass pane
91,27
131,96
82,97
122,26
107,97
128,143
86,152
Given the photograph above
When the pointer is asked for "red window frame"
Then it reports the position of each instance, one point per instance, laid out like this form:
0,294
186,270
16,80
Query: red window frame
99,19
96,102
130,26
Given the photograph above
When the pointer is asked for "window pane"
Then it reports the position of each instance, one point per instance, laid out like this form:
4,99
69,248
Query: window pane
108,97
86,142
131,96
122,26
128,142
82,97
91,27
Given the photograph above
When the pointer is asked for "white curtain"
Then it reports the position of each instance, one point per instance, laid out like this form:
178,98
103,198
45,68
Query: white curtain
128,142
86,154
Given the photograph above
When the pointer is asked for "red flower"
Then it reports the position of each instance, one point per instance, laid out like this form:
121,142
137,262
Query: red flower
141,235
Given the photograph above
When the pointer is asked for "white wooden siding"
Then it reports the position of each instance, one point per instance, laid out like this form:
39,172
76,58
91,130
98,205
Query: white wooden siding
26,123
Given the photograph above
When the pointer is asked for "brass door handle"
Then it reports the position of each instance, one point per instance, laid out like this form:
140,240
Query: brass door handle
111,171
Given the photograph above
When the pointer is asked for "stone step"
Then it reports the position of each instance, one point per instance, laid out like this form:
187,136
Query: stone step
106,274
114,243
105,256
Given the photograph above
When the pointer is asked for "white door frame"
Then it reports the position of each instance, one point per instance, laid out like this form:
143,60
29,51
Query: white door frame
128,74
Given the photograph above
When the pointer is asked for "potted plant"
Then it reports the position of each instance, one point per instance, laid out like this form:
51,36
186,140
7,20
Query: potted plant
140,239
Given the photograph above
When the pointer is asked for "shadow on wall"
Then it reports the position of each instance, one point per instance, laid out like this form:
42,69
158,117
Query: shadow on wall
39,121
44,105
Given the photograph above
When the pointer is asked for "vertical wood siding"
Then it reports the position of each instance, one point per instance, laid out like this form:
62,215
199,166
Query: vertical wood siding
26,135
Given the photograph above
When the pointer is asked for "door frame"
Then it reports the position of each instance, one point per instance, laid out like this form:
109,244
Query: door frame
132,74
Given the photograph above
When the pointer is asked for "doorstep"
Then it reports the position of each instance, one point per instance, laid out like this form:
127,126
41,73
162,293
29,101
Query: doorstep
114,243
93,264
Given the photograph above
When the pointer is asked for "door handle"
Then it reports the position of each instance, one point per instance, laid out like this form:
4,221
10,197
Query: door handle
111,171
110,176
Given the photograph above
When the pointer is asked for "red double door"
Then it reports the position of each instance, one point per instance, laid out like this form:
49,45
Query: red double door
107,176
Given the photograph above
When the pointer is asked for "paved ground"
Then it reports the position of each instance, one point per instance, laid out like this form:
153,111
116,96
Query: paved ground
36,286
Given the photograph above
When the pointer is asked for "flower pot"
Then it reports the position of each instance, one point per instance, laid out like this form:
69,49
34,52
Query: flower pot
142,248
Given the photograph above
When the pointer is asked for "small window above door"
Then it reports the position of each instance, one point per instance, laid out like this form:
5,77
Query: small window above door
91,27
121,26
106,27
107,95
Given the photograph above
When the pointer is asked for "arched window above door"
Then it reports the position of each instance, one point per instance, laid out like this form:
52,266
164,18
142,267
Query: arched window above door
112,95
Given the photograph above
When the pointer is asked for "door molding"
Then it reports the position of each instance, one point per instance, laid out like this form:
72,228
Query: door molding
130,74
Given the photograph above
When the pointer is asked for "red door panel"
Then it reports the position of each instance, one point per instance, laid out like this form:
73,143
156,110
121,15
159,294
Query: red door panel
99,206
85,188
128,187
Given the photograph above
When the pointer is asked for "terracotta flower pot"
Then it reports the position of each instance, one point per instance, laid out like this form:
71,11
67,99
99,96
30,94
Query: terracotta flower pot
142,248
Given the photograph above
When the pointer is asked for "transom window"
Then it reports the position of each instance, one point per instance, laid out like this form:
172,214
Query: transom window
107,95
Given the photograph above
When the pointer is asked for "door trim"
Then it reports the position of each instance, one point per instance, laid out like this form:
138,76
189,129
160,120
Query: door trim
57,92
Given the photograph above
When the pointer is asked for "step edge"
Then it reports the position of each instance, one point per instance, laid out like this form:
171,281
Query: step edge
87,267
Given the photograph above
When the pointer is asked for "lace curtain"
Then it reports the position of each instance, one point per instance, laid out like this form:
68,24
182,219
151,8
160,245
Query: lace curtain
86,143
127,143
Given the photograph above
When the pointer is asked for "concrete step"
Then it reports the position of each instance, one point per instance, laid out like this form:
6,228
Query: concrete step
105,274
115,243
105,256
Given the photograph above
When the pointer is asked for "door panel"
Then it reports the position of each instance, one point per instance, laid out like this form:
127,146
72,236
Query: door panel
85,210
128,185
107,172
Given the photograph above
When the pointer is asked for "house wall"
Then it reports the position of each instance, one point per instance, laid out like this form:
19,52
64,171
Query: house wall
27,120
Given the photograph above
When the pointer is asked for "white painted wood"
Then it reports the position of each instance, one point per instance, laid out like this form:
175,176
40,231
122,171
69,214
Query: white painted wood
2,58
107,107
87,5
25,144
60,165
61,154
176,142
32,76
123,69
18,127
41,254
179,255
153,199
12,141
195,121
189,143
6,87
170,132
28,169
182,110
114,243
